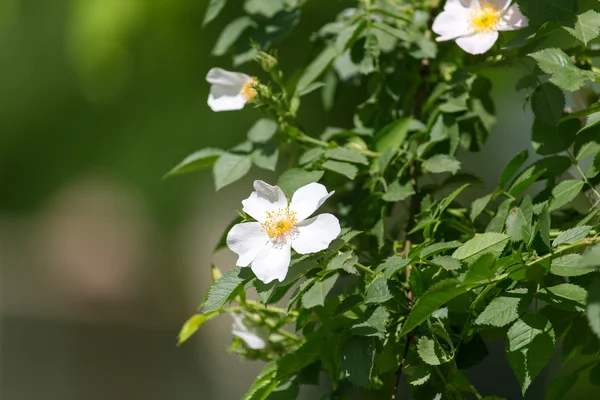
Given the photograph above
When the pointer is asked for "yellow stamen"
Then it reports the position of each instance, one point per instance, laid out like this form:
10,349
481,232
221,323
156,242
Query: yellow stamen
279,222
485,18
248,90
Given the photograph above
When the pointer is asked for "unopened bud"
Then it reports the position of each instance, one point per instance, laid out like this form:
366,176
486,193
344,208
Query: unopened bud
266,61
215,272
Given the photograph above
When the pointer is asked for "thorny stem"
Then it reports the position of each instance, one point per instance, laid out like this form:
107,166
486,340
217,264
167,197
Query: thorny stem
261,307
364,268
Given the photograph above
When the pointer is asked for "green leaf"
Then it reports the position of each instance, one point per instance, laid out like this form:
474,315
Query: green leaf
265,157
316,68
358,357
547,103
316,294
563,73
545,223
565,295
438,248
293,179
229,168
231,33
344,261
342,168
483,269
587,143
591,258
515,222
479,205
431,352
542,11
560,386
213,10
525,180
346,154
564,192
489,242
372,323
392,135
513,166
587,26
591,121
497,223
569,266
201,159
266,8
572,235
262,131
435,297
192,325
397,192
378,292
293,362
226,288
442,163
263,385
446,262
311,155
505,308
529,348
392,265
593,306
548,139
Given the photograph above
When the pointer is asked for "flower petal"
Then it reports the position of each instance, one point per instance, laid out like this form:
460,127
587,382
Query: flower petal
222,77
512,19
247,240
225,91
498,4
316,233
451,24
254,338
308,199
477,43
273,261
265,198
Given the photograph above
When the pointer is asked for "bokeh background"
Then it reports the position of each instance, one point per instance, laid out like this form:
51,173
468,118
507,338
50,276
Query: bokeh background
101,260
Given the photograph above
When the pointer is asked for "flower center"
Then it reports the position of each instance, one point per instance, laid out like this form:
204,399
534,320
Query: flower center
280,223
485,18
248,91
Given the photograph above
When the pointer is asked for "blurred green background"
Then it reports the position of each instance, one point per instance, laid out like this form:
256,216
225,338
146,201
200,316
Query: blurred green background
101,260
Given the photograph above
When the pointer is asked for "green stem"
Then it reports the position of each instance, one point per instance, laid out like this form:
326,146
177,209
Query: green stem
364,268
566,249
261,307
583,176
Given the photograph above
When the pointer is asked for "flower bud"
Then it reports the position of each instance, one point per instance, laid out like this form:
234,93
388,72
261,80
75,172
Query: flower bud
215,272
266,61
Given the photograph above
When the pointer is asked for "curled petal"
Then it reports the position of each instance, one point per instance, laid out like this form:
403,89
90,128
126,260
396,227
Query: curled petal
265,198
255,337
477,43
273,261
316,233
512,19
247,240
308,199
498,4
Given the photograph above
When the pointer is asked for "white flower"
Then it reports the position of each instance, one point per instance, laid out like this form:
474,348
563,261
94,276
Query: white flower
266,245
474,24
229,90
255,337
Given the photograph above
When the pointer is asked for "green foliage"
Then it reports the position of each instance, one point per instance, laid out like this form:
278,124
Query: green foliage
431,279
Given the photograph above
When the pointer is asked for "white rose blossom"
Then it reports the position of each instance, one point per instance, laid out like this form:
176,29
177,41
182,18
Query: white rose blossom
230,90
254,337
266,245
474,24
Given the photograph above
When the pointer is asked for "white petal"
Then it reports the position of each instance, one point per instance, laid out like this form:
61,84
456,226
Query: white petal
219,100
225,91
254,338
498,4
453,5
512,19
308,199
247,240
316,233
265,198
222,77
477,43
273,261
450,25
